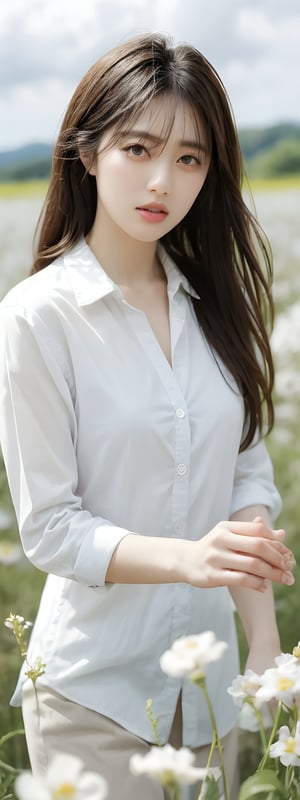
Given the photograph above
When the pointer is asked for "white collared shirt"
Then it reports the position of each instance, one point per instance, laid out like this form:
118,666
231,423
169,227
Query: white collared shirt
101,437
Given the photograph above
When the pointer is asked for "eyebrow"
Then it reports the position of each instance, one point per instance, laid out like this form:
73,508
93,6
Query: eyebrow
193,143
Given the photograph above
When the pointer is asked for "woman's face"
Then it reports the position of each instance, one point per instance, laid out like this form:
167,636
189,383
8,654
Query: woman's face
146,183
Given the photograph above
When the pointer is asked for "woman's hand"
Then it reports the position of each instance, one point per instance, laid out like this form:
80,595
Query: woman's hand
238,553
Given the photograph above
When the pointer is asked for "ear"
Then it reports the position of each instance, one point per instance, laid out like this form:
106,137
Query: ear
89,165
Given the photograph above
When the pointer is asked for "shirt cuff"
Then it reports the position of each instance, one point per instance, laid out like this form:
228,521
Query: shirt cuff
253,495
96,553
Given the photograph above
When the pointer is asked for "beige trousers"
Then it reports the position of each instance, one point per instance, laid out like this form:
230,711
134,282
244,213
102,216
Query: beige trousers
54,724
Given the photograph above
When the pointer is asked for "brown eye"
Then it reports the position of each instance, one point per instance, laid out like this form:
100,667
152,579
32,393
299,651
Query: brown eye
189,160
135,150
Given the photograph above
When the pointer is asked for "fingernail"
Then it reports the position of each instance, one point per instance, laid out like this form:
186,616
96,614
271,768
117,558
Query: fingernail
288,578
290,563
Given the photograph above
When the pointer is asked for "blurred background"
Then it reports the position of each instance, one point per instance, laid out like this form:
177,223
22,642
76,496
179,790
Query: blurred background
45,48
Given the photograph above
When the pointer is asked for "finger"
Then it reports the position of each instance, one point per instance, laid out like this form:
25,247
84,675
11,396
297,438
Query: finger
279,533
255,528
274,553
261,569
235,578
272,557
264,563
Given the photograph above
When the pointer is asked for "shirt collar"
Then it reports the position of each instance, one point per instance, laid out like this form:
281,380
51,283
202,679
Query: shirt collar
90,282
176,279
88,279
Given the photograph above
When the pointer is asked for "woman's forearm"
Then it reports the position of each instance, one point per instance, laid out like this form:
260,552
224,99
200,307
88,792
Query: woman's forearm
257,611
236,553
147,559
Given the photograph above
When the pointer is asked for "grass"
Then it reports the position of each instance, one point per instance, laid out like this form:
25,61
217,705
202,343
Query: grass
284,183
16,189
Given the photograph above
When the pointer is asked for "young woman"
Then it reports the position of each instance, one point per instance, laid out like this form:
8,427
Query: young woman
136,380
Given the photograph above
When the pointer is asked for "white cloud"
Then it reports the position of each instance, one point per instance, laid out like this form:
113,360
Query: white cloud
35,111
45,48
254,25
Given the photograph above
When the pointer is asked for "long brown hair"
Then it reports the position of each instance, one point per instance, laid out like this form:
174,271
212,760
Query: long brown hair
219,245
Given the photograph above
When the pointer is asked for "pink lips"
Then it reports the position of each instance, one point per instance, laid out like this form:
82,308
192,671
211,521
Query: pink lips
153,212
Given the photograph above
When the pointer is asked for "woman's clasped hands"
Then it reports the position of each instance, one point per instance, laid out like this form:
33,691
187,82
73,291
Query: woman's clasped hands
247,554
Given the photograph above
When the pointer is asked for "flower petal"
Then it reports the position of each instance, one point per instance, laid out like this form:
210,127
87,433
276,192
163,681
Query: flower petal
92,786
29,788
64,768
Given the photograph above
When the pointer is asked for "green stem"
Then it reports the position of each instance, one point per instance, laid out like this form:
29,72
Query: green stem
263,762
212,747
295,712
10,735
8,768
202,684
259,718
172,791
288,778
153,721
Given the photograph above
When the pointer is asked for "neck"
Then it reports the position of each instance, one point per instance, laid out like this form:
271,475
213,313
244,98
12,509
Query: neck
126,260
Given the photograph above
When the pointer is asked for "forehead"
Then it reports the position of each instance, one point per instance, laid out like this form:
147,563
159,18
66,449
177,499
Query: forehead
168,116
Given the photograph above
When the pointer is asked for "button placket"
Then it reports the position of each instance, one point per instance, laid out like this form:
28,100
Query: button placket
169,379
181,466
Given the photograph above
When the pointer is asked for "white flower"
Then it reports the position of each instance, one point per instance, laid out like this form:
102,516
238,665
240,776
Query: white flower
170,766
281,683
64,780
190,655
244,686
285,658
248,720
16,621
10,553
296,652
287,747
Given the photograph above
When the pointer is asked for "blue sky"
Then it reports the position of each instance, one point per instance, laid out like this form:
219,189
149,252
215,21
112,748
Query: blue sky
47,45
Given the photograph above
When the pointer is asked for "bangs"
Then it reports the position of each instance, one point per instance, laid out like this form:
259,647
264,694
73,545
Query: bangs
151,108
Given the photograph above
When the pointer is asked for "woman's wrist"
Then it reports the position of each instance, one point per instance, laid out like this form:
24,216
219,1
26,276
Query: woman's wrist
184,558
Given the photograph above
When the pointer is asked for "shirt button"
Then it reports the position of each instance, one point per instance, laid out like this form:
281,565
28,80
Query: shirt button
181,469
179,527
180,413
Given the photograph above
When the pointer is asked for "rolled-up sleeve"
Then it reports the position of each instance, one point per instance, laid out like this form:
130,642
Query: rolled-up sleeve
254,480
38,440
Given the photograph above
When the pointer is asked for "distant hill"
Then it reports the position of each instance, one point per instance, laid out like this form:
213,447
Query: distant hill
272,151
25,154
25,163
254,140
267,152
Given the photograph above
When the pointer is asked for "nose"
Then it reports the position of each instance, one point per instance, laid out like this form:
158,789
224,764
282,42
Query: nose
159,180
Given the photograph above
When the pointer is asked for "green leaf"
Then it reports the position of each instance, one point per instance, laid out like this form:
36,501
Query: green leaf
211,790
262,784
